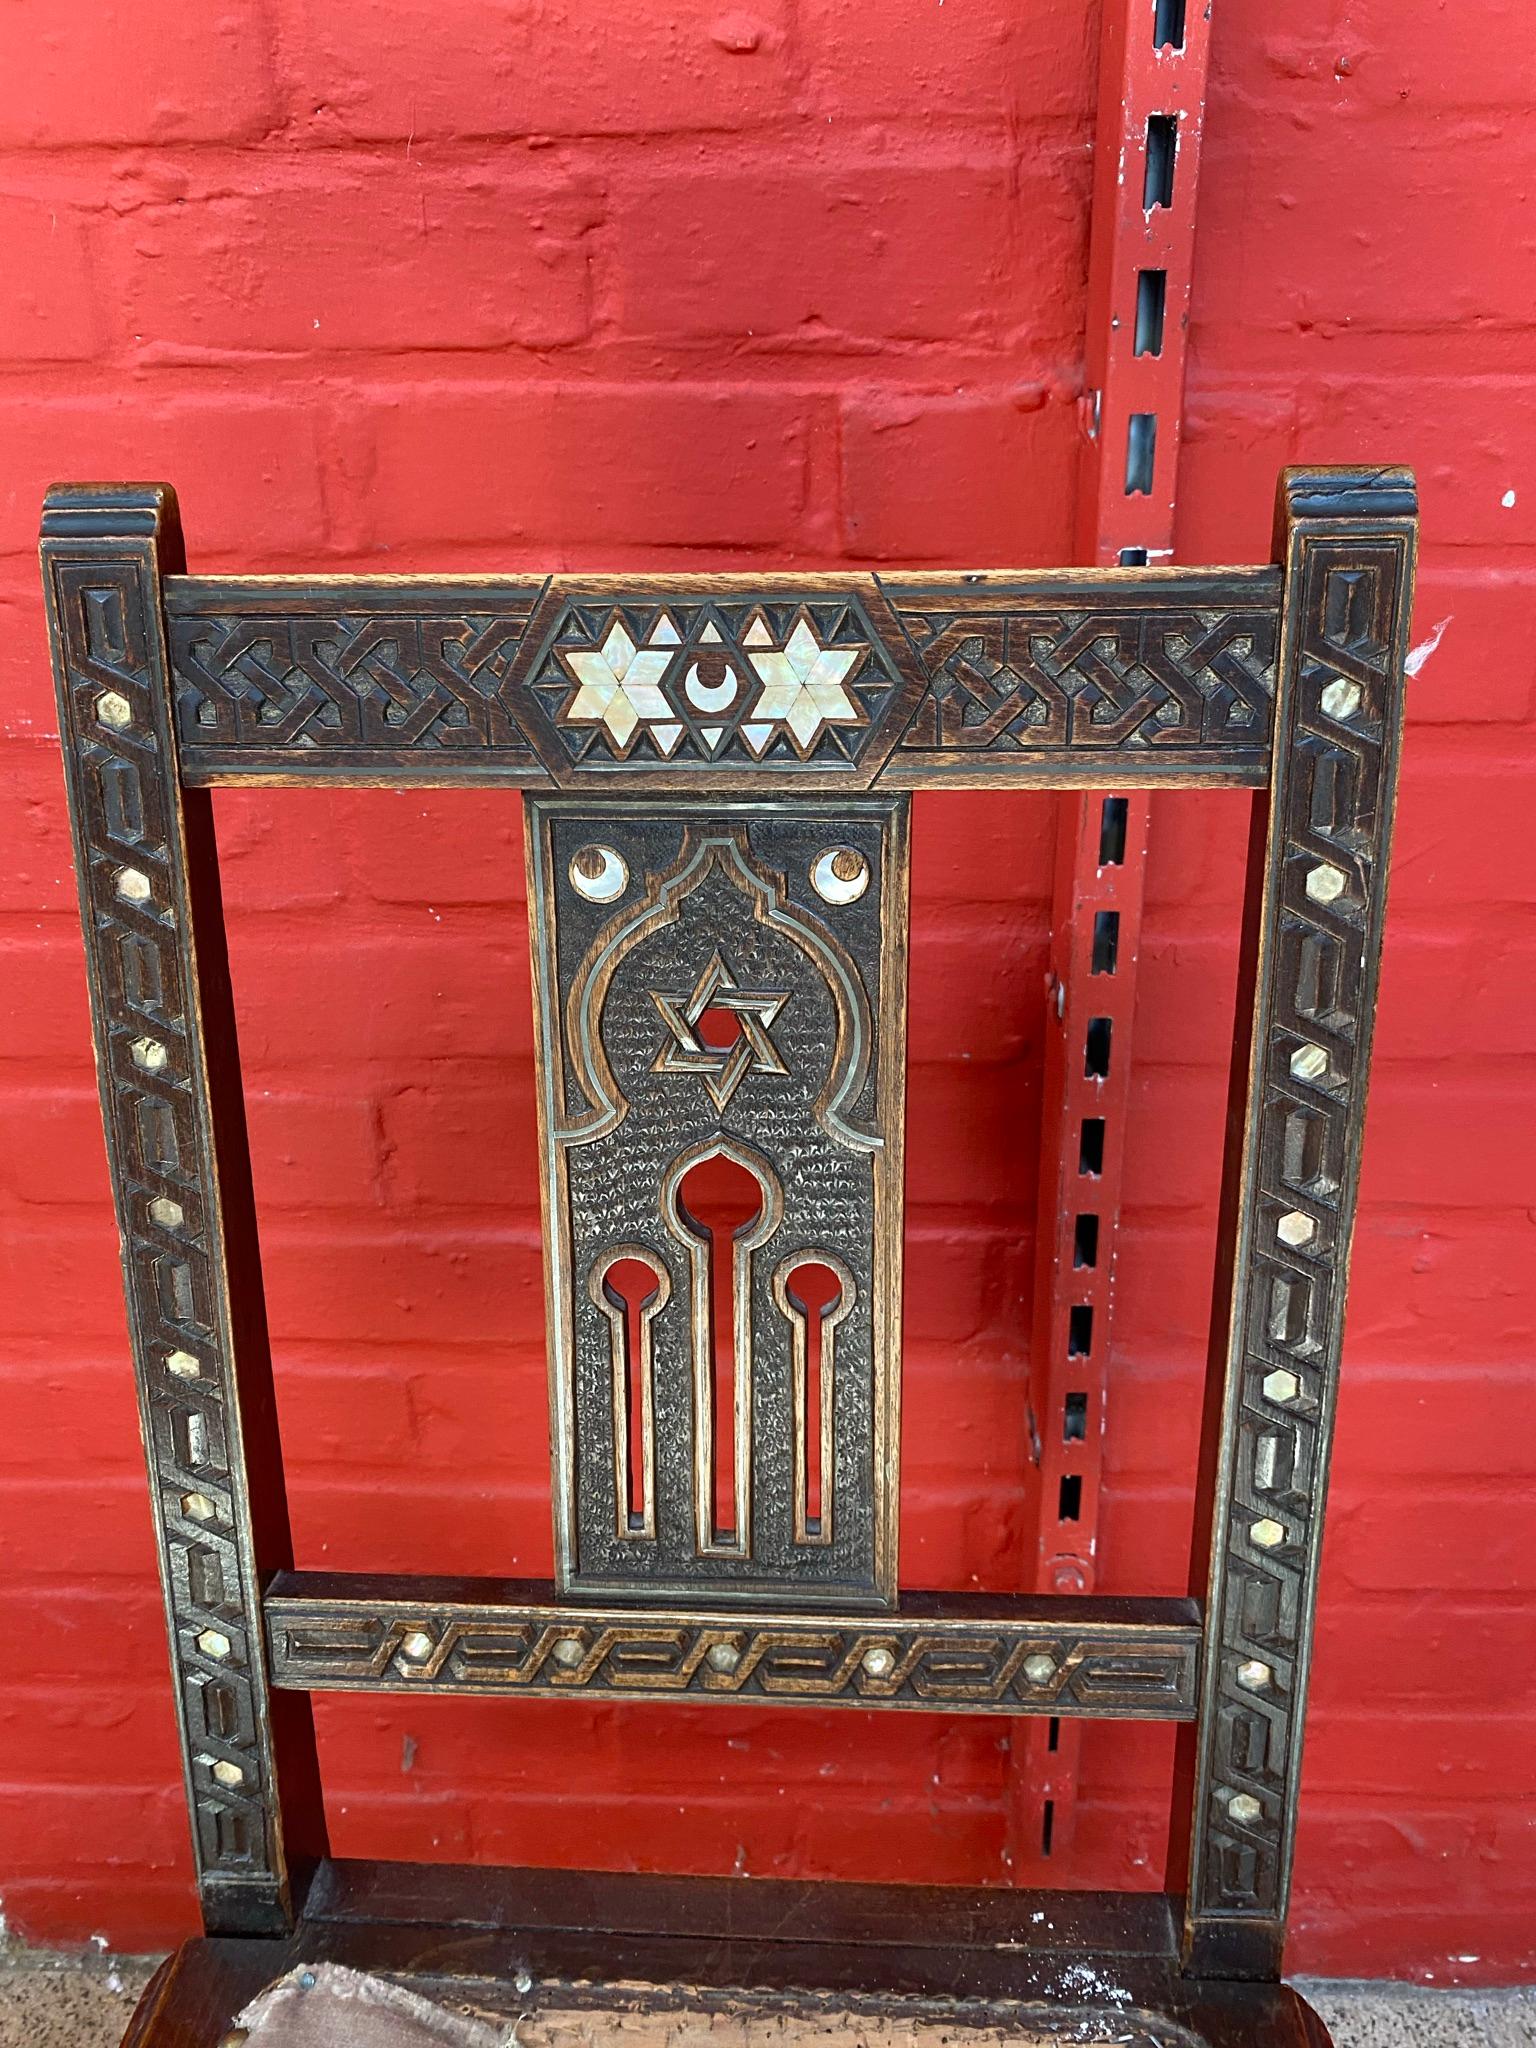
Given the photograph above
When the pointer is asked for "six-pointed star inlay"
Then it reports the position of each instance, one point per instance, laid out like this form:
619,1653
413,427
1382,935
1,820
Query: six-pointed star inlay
722,1069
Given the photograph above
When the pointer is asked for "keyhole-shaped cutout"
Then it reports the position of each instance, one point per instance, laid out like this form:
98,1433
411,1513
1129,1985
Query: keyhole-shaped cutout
815,1296
630,1290
723,1204
631,1286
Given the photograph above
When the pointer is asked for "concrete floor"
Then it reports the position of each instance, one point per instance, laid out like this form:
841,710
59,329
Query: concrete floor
75,2002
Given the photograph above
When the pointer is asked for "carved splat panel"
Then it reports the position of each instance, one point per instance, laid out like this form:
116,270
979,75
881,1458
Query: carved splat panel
722,993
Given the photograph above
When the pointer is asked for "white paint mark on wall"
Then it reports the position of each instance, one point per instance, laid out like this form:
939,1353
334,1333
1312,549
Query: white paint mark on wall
1508,500
1417,656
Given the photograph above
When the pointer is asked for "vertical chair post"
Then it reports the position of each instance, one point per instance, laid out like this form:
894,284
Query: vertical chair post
1312,950
170,1090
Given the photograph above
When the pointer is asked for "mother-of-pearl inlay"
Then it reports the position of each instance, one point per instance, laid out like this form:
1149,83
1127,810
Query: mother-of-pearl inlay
599,873
840,875
707,696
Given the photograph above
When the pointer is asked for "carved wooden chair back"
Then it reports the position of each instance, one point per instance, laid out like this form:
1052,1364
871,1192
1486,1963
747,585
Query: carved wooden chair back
717,774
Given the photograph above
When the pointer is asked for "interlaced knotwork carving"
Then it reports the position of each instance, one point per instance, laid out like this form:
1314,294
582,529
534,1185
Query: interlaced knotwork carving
358,674
796,682
1316,979
1006,680
131,864
996,1665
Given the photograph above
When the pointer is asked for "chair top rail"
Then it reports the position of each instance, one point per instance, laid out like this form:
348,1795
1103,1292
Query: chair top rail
764,682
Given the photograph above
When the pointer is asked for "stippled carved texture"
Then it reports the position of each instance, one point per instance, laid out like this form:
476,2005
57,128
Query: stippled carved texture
131,864
1002,1668
647,922
1320,946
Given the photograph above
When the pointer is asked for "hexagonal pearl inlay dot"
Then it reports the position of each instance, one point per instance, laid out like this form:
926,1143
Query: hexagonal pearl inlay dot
1281,1385
879,1662
133,885
1244,1808
1326,883
1309,1062
1295,1228
214,1643
168,1214
183,1364
228,1773
112,708
1039,1669
1254,1675
198,1507
417,1644
569,1650
149,1054
1341,698
1266,1534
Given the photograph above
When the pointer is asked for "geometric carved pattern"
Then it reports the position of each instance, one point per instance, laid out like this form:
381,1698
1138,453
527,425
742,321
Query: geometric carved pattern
788,921
993,1664
356,675
1174,680
130,861
1331,806
791,682
713,681
721,1069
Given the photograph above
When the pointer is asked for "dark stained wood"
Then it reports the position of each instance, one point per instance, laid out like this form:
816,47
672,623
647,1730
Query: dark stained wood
735,915
624,1942
1103,1659
1311,956
170,1089
669,704
1012,680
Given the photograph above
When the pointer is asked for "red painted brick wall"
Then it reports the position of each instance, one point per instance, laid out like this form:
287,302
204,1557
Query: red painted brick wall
384,284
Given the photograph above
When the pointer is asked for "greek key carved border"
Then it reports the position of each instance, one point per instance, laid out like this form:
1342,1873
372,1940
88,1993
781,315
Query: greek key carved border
1292,1184
132,868
1141,1666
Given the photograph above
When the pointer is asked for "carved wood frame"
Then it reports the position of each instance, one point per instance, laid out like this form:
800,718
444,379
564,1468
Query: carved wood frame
1286,680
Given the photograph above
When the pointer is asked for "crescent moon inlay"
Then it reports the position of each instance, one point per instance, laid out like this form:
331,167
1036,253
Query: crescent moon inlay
710,697
598,873
840,875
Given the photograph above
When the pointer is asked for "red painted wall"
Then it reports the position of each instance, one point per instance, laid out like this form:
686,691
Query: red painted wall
384,284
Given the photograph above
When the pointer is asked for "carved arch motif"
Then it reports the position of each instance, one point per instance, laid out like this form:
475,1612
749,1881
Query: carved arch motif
725,850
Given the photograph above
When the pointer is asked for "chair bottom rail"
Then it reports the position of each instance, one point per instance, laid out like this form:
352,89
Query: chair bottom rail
1117,1659
529,1945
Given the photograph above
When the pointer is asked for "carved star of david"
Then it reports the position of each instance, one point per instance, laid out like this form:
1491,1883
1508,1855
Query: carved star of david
722,1069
